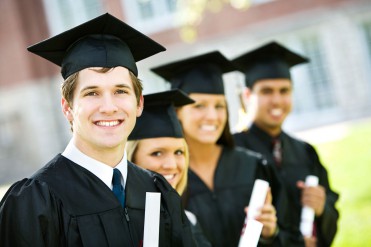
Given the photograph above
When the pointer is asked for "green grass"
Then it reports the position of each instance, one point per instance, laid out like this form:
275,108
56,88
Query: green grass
348,162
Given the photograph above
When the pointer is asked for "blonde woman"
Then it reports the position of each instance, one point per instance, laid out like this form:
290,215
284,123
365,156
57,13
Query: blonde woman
157,144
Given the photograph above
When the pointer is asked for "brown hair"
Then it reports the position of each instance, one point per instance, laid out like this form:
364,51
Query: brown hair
69,86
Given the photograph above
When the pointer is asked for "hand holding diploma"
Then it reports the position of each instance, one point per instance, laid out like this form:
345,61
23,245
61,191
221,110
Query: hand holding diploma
268,217
261,215
313,200
313,196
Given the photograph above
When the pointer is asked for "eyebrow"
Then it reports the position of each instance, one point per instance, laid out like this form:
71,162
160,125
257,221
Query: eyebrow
95,87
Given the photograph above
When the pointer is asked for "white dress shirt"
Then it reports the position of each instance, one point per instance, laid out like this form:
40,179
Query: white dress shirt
102,171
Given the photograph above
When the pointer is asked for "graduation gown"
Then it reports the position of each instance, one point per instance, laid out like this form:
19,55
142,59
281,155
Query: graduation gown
197,233
220,211
64,204
299,159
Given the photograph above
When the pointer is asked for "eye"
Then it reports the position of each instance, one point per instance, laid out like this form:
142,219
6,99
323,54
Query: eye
220,106
121,91
199,106
266,91
91,93
285,91
156,154
179,152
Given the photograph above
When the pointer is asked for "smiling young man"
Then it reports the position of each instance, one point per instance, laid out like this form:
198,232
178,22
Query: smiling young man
90,195
269,99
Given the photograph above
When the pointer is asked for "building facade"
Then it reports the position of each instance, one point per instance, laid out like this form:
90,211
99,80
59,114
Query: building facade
333,87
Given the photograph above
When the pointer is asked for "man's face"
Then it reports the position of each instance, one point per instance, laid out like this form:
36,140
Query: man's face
103,111
270,101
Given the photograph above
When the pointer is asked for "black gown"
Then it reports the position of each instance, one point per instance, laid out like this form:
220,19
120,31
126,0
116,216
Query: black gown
220,211
64,204
299,160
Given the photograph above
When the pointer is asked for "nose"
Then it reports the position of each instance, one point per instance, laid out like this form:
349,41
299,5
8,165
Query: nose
276,98
169,162
108,105
211,113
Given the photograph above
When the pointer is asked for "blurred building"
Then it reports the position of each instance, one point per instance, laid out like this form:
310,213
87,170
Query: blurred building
334,34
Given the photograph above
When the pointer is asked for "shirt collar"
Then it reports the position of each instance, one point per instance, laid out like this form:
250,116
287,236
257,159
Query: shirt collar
264,136
102,171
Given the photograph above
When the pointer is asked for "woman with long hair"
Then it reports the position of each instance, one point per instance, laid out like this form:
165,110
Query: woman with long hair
221,176
157,144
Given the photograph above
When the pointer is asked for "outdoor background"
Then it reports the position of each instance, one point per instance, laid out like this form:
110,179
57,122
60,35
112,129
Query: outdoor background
332,103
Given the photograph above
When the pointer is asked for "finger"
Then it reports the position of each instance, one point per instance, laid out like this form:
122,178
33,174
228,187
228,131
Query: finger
317,190
268,209
312,195
268,213
300,184
246,209
268,199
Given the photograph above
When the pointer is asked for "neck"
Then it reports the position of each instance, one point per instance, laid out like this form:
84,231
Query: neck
108,156
202,154
272,131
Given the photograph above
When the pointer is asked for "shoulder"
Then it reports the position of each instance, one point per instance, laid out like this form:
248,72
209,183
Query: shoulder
36,184
52,168
26,192
139,170
240,136
290,138
250,154
309,148
149,177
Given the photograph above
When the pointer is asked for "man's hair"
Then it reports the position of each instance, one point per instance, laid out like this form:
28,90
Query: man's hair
69,86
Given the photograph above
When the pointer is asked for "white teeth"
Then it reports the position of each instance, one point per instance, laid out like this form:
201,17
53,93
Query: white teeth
169,177
108,123
276,112
208,127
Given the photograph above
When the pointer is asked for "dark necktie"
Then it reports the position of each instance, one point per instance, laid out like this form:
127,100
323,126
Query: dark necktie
117,188
277,151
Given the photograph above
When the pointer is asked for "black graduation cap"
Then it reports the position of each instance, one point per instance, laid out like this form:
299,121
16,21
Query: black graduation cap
159,117
269,61
199,74
104,41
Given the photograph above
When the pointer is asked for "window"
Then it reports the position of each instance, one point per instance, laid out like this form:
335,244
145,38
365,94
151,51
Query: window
313,91
151,16
62,15
319,81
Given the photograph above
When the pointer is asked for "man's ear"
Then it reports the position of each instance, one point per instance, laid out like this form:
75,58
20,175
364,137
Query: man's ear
245,97
140,106
66,109
247,93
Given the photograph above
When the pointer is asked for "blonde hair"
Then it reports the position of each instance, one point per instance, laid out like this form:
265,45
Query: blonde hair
131,150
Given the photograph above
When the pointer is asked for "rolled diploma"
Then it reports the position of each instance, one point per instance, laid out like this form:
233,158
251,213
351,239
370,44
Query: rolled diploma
307,213
152,219
251,233
258,195
252,229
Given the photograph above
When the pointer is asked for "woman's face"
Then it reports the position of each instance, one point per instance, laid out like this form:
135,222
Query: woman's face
164,155
204,120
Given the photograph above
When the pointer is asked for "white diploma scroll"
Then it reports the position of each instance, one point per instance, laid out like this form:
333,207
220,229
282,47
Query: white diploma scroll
250,233
307,213
258,195
252,229
152,219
